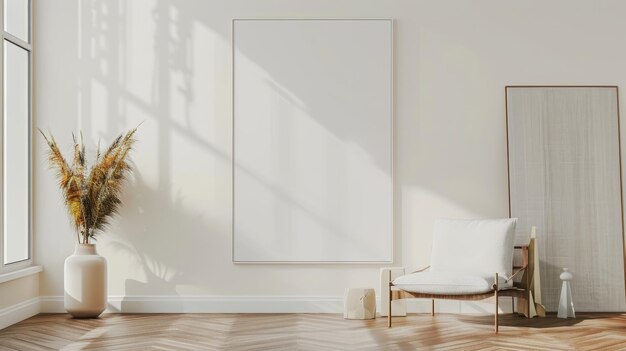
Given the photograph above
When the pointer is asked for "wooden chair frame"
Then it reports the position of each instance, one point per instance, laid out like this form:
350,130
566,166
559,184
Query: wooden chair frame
519,290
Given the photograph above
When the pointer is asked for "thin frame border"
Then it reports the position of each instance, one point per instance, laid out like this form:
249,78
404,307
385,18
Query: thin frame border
392,116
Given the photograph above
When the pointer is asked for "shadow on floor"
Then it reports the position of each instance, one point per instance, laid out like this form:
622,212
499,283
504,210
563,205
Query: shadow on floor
515,320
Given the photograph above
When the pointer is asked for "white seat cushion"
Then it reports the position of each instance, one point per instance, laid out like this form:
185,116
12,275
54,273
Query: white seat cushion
447,283
474,247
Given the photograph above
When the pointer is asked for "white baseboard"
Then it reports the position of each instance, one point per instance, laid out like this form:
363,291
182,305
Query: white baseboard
51,304
16,313
258,304
208,304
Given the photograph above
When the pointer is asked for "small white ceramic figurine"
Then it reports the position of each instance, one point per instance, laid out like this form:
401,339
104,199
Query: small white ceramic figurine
566,305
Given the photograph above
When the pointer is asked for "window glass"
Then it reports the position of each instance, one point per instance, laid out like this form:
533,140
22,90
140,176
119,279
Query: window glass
16,153
16,18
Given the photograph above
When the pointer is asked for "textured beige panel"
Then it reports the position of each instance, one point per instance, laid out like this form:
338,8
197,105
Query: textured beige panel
565,179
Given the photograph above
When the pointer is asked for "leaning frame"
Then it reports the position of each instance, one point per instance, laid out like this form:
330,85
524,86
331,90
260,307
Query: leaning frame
619,151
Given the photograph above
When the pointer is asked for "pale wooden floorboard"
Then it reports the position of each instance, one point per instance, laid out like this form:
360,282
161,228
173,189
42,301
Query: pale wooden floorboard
600,331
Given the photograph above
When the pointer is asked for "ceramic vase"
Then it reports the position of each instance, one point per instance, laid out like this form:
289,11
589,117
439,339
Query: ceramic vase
566,305
85,283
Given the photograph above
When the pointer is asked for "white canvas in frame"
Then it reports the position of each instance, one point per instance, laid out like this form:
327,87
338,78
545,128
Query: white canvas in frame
312,140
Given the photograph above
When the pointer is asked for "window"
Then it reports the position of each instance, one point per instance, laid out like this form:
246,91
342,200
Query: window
15,246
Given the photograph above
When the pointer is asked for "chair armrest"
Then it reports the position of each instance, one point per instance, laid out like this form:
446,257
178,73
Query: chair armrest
421,270
516,273
524,249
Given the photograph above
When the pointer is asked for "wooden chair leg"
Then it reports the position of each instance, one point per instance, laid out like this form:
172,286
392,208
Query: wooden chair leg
496,296
527,305
432,307
389,301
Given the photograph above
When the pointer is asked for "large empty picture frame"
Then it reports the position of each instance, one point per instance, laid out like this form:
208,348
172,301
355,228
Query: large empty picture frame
312,140
564,165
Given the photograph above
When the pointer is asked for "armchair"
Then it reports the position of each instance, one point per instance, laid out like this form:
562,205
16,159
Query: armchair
471,260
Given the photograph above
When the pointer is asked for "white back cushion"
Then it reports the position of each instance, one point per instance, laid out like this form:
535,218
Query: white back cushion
482,247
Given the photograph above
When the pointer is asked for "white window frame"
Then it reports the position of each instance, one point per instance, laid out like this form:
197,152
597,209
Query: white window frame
5,268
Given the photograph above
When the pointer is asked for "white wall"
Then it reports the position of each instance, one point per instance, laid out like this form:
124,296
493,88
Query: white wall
104,66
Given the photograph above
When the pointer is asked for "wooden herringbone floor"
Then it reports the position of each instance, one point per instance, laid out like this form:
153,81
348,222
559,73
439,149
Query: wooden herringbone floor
313,332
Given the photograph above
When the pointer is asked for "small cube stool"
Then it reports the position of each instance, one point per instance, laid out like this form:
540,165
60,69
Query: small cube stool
359,303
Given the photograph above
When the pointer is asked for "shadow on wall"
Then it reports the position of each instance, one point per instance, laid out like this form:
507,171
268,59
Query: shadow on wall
155,226
145,61
111,75
154,229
